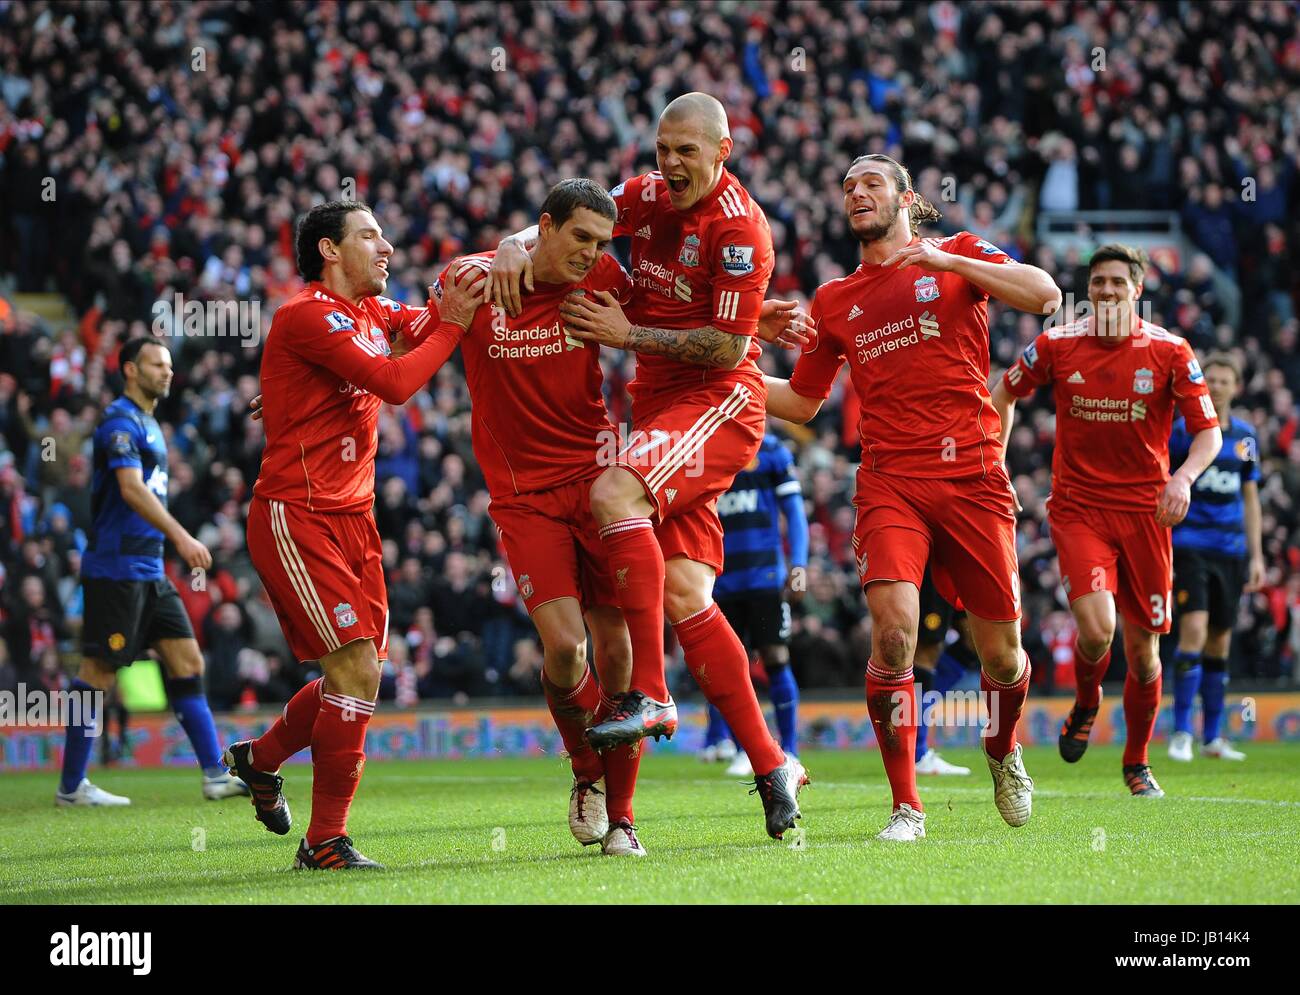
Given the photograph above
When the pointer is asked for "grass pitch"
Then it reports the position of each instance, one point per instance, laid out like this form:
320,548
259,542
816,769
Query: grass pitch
488,831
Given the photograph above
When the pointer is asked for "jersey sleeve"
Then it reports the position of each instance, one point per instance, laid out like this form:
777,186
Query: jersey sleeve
1032,370
322,334
630,196
783,474
1248,453
972,246
741,266
120,438
400,318
816,368
1190,393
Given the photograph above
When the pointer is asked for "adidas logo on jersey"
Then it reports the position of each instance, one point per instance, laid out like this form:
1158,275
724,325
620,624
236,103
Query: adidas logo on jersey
1075,377
862,565
643,232
670,493
855,312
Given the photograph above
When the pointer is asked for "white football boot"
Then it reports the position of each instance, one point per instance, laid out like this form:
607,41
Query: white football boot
588,818
1180,747
224,786
88,794
932,763
740,766
1013,788
906,825
621,841
1220,749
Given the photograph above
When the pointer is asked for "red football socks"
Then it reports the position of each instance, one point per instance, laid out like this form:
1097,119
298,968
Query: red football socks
720,664
1088,675
1004,703
637,565
622,764
291,732
891,703
572,709
338,756
1141,705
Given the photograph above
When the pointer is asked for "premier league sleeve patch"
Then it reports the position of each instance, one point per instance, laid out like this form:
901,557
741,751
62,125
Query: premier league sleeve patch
738,260
122,444
1194,373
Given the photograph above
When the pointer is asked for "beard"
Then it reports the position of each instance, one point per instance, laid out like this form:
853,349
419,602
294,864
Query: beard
886,216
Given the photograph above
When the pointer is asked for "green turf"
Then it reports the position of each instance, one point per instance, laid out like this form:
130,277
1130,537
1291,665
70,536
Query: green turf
1226,833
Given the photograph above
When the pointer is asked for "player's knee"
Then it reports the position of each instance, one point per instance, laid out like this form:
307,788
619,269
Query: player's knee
1003,664
96,673
566,656
183,687
613,494
774,657
353,669
894,646
1095,637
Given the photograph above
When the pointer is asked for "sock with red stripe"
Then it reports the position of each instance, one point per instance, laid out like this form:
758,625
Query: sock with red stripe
1141,704
291,732
891,696
720,665
1004,702
572,709
1088,675
622,764
338,755
637,564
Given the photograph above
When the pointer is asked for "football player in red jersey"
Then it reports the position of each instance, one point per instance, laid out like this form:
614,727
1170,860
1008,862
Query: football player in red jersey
326,368
538,424
1116,380
912,323
701,259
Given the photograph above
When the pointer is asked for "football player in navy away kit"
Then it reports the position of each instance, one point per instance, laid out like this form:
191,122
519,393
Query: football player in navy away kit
1218,553
751,588
130,604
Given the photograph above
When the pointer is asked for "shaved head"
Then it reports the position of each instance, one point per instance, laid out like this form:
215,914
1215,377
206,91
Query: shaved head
701,111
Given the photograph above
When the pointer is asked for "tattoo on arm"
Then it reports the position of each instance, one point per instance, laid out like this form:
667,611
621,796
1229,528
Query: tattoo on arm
707,346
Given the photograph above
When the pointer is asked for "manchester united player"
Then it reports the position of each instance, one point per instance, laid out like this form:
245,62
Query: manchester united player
701,258
1116,380
538,423
912,323
326,369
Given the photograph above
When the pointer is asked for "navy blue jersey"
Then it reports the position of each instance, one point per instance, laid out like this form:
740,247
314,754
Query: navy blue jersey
123,546
1216,521
751,522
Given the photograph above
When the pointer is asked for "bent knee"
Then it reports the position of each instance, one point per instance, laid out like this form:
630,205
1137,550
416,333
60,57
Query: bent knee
613,494
895,646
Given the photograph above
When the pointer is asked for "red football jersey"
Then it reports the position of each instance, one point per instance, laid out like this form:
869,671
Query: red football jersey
1114,408
917,344
321,427
539,418
706,266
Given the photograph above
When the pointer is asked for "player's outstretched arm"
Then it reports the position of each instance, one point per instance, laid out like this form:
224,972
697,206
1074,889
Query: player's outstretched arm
512,267
141,500
783,402
1177,495
786,324
599,318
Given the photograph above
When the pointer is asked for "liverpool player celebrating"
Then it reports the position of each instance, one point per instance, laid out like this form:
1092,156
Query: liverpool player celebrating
912,322
701,259
1116,380
538,423
1218,553
326,369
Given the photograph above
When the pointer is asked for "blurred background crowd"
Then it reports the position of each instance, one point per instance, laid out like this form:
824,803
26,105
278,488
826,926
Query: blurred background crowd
149,150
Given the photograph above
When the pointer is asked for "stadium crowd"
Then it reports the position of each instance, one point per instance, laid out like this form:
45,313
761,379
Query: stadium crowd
182,140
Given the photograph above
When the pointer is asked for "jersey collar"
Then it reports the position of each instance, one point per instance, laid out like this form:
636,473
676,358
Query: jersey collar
704,203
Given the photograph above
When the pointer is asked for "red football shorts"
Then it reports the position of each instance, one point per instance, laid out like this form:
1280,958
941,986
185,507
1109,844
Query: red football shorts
965,528
324,575
687,452
1123,552
553,545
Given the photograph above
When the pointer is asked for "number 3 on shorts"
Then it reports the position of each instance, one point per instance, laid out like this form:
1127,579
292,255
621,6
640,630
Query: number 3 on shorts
1159,608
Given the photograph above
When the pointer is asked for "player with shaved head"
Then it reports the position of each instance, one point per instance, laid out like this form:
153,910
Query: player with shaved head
701,259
